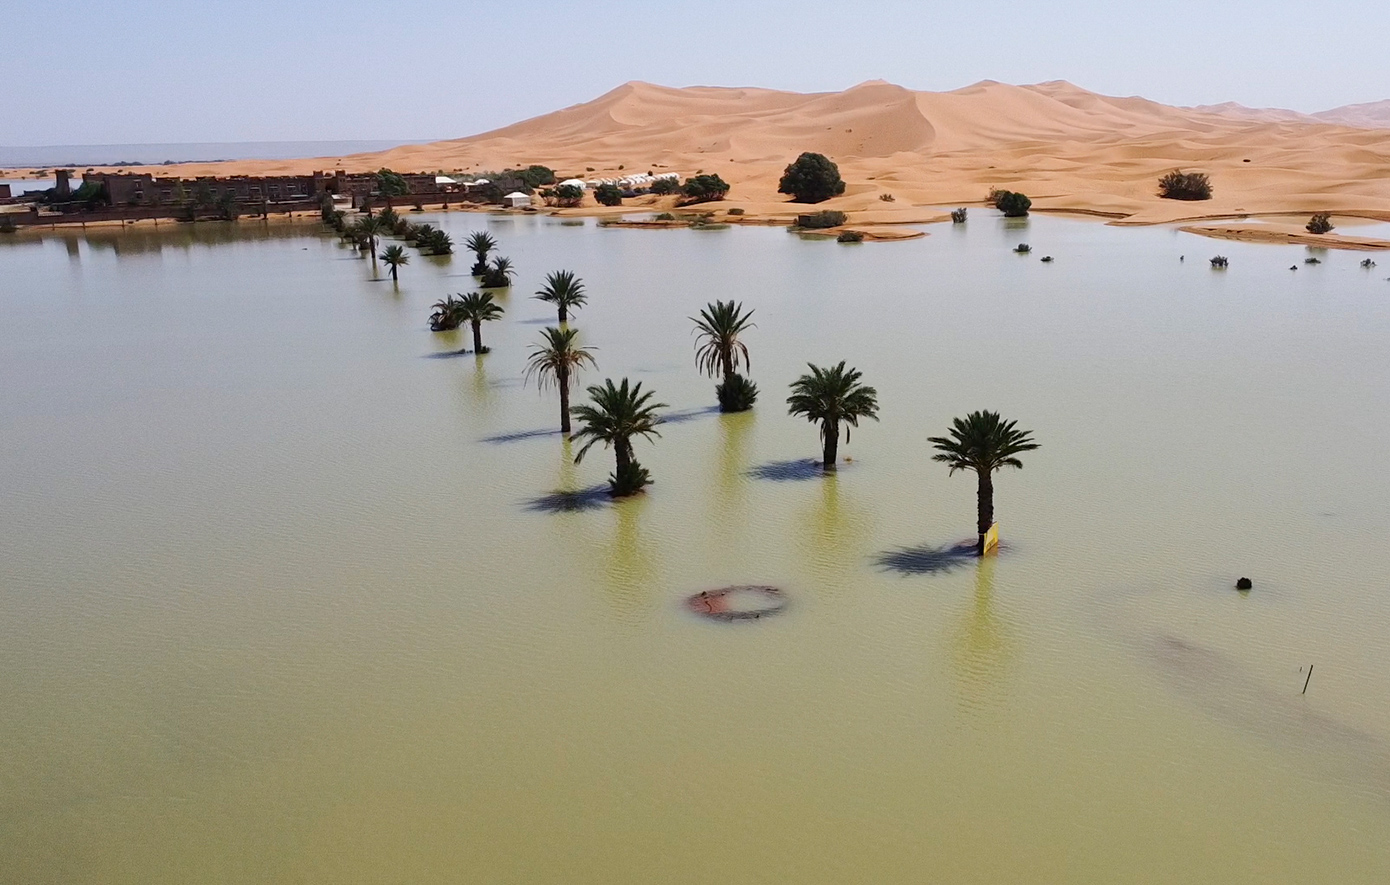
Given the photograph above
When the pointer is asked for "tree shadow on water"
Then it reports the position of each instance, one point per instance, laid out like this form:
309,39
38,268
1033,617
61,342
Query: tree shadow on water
519,436
680,417
927,560
577,501
797,470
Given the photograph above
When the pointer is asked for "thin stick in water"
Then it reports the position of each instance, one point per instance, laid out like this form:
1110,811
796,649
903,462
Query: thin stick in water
1309,679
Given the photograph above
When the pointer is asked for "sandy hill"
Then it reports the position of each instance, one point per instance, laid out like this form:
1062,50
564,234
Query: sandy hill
1066,147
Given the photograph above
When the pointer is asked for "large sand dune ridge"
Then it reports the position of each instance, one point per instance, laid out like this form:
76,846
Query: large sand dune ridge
1068,148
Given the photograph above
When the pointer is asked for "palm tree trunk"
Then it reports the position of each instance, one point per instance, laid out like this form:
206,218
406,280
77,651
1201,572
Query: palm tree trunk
622,451
563,377
564,315
985,496
477,336
394,278
371,245
831,433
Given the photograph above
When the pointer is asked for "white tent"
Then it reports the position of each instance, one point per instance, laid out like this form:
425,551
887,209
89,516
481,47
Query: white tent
517,199
444,179
576,182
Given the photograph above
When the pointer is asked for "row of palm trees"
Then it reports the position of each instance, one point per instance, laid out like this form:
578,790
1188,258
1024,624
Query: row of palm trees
834,398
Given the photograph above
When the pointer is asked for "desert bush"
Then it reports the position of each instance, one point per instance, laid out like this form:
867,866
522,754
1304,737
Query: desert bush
992,198
1179,185
1013,205
1368,264
958,216
533,176
812,178
735,211
705,189
821,220
1320,223
887,198
665,187
666,216
608,195
850,236
566,196
630,479
436,242
1023,248
1220,261
1312,261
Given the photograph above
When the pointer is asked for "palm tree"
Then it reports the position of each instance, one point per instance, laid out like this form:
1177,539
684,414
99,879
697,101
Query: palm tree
394,257
564,290
829,396
557,360
480,243
984,443
445,316
719,351
616,416
475,309
498,275
369,228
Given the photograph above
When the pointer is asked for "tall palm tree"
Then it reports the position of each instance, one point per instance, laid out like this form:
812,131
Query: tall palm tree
394,256
615,417
718,351
557,361
564,290
984,443
830,396
370,227
480,243
475,309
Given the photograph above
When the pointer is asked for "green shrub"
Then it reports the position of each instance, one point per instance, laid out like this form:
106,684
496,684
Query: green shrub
1179,185
735,211
666,216
958,216
608,194
435,242
566,196
1219,261
1013,205
1321,223
665,187
705,189
737,394
850,236
812,178
1023,248
391,184
533,176
629,481
821,220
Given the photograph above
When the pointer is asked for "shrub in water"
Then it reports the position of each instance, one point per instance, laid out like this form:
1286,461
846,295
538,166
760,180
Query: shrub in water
958,216
1023,248
498,274
1013,205
821,220
1320,223
812,178
630,480
737,394
850,236
1368,264
666,216
1219,261
1179,185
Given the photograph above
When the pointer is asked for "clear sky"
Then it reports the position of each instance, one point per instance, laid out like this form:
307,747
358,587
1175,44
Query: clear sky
140,71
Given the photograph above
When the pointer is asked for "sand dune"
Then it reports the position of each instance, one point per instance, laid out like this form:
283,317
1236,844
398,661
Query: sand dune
1068,148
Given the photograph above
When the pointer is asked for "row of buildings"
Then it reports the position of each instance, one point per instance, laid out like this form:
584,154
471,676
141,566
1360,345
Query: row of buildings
147,189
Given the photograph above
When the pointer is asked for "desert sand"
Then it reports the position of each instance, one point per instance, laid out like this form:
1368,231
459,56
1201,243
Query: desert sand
1069,149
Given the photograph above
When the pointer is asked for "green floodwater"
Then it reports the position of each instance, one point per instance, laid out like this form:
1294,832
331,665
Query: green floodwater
281,600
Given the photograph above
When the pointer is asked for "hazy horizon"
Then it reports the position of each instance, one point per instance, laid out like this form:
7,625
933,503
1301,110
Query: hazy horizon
158,75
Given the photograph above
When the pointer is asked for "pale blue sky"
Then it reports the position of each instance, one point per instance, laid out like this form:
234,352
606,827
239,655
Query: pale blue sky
136,71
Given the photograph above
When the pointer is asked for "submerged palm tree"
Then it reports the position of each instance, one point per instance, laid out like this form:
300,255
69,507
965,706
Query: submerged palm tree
557,361
475,309
480,243
828,397
984,443
445,316
719,351
394,256
369,228
564,290
498,274
615,417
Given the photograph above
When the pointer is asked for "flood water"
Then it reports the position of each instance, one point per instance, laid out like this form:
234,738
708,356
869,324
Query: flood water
287,593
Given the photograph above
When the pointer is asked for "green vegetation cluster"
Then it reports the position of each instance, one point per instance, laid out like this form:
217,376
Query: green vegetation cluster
1179,185
811,178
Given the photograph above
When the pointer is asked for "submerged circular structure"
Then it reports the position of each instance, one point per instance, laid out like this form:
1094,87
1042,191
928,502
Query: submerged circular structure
745,602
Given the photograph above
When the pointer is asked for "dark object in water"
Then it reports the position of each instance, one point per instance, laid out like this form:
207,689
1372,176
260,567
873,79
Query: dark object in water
1023,249
715,604
1046,258
1311,261
1244,584
1293,267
